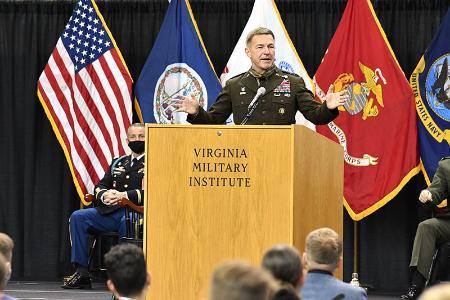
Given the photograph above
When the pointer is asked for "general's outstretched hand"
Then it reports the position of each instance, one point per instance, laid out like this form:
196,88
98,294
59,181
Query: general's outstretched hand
187,104
334,100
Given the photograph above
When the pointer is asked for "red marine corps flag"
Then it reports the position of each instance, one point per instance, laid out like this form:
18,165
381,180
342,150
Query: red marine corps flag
377,126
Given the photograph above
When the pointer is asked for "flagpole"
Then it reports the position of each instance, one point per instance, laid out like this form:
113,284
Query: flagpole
355,276
355,247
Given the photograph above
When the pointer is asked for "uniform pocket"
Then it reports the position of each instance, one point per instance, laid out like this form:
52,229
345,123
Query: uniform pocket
282,108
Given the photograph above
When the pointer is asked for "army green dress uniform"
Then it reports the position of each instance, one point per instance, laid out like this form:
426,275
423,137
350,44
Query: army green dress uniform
434,231
285,94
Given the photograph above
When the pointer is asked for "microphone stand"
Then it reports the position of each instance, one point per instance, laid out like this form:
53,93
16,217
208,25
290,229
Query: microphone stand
249,113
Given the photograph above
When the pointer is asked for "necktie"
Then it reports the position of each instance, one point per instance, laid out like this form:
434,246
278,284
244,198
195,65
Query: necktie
134,161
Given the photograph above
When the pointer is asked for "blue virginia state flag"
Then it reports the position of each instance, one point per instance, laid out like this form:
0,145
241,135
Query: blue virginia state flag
430,82
178,65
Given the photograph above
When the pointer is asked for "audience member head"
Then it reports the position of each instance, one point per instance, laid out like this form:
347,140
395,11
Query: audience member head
236,280
437,292
6,249
6,246
3,274
323,250
284,263
127,272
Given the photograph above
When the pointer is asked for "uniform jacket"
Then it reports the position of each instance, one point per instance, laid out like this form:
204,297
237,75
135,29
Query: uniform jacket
440,186
324,286
122,177
285,94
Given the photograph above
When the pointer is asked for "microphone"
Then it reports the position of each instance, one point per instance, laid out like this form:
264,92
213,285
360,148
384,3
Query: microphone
252,106
261,91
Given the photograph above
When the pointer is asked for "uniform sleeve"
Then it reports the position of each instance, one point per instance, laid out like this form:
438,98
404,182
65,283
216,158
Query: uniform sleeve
439,185
103,185
136,196
218,113
313,111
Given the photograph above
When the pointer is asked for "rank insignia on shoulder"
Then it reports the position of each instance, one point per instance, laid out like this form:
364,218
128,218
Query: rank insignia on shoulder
284,75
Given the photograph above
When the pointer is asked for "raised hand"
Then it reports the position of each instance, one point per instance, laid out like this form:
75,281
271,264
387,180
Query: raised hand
187,104
334,100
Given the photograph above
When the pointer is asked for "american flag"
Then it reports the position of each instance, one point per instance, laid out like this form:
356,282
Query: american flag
85,90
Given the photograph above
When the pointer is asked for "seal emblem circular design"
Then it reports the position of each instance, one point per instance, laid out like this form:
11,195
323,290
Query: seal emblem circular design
177,80
437,87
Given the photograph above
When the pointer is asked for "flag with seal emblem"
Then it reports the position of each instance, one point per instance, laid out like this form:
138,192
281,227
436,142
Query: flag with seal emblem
177,65
430,82
265,14
85,90
377,126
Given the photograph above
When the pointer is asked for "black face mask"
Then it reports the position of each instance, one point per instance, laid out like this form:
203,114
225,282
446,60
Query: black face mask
137,146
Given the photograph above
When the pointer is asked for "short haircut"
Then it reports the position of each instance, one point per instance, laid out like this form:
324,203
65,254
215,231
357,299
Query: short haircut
257,31
323,246
6,246
438,292
126,268
140,125
284,263
237,280
3,272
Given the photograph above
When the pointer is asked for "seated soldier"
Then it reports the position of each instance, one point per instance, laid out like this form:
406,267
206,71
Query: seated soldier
431,232
122,180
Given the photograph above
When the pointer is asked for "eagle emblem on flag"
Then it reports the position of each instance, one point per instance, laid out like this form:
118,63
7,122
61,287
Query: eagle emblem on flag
363,93
438,87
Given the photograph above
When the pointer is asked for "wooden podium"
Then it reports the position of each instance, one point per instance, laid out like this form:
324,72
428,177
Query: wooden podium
215,193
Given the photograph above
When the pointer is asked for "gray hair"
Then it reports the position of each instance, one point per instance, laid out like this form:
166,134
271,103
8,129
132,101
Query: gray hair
140,125
258,31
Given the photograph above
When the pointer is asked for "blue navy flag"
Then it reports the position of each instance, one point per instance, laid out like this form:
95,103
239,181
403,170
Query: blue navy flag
178,65
430,82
